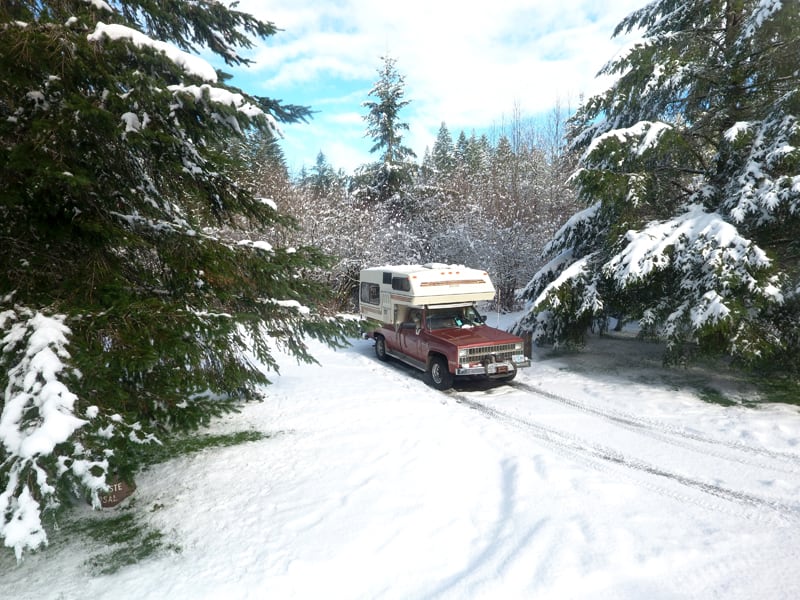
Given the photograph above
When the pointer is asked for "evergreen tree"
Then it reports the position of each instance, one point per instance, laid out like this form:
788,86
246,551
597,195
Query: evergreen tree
479,153
323,178
259,164
689,171
473,157
443,155
461,148
426,171
385,178
125,315
504,174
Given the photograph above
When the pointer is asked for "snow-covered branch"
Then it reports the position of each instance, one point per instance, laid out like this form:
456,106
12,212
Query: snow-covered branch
767,184
190,63
38,414
710,259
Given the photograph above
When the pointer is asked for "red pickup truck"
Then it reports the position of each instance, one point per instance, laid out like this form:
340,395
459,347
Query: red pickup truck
430,322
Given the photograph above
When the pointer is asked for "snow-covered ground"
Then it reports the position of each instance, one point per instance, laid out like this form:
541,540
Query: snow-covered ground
592,476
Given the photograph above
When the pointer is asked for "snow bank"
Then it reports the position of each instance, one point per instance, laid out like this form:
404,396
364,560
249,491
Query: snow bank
372,485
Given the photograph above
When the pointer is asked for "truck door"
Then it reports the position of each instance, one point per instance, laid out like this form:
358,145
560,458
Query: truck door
409,334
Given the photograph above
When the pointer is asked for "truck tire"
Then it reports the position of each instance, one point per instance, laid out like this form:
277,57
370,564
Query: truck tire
508,378
437,375
380,348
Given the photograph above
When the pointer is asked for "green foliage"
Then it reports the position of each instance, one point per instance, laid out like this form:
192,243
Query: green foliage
125,540
183,445
778,388
258,164
714,396
443,157
688,163
119,207
385,178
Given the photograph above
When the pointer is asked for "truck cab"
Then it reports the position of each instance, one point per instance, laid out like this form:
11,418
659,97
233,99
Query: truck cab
426,317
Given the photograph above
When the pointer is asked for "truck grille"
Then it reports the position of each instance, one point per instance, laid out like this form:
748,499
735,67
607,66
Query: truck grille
503,352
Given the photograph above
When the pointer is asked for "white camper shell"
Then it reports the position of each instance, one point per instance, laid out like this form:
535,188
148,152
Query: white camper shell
386,292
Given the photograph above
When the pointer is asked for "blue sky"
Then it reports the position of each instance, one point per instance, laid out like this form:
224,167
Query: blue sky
469,64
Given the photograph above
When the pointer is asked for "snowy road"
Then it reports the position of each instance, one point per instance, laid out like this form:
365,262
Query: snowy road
579,480
671,459
605,438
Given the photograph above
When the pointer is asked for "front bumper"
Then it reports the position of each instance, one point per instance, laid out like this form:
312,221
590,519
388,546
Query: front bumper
495,368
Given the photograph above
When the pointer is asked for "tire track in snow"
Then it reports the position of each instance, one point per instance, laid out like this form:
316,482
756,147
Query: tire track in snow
584,449
677,436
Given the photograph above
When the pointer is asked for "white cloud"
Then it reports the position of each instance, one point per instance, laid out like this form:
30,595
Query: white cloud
467,64
348,118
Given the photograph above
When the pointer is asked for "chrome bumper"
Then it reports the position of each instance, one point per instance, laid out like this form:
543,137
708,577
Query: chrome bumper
495,368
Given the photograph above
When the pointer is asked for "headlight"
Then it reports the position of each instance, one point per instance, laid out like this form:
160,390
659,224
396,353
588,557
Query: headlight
462,353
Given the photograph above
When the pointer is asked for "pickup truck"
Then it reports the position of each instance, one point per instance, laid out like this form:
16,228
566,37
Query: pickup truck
430,322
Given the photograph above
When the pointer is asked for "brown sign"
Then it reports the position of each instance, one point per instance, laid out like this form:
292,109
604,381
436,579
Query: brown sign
117,492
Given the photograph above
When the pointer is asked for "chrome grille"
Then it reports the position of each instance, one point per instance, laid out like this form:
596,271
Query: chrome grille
503,352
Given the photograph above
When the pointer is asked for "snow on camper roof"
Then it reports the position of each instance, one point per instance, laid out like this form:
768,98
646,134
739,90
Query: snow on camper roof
432,283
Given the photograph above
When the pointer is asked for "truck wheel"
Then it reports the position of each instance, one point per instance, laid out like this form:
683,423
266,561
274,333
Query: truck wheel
508,378
380,347
437,374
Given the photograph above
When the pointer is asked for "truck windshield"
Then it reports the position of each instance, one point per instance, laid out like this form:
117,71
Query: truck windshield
461,316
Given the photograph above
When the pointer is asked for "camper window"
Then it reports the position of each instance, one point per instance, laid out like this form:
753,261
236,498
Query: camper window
370,293
401,283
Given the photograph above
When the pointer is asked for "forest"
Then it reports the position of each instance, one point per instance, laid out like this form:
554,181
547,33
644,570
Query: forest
492,201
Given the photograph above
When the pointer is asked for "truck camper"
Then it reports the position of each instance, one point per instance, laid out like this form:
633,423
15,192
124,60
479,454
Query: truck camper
427,318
